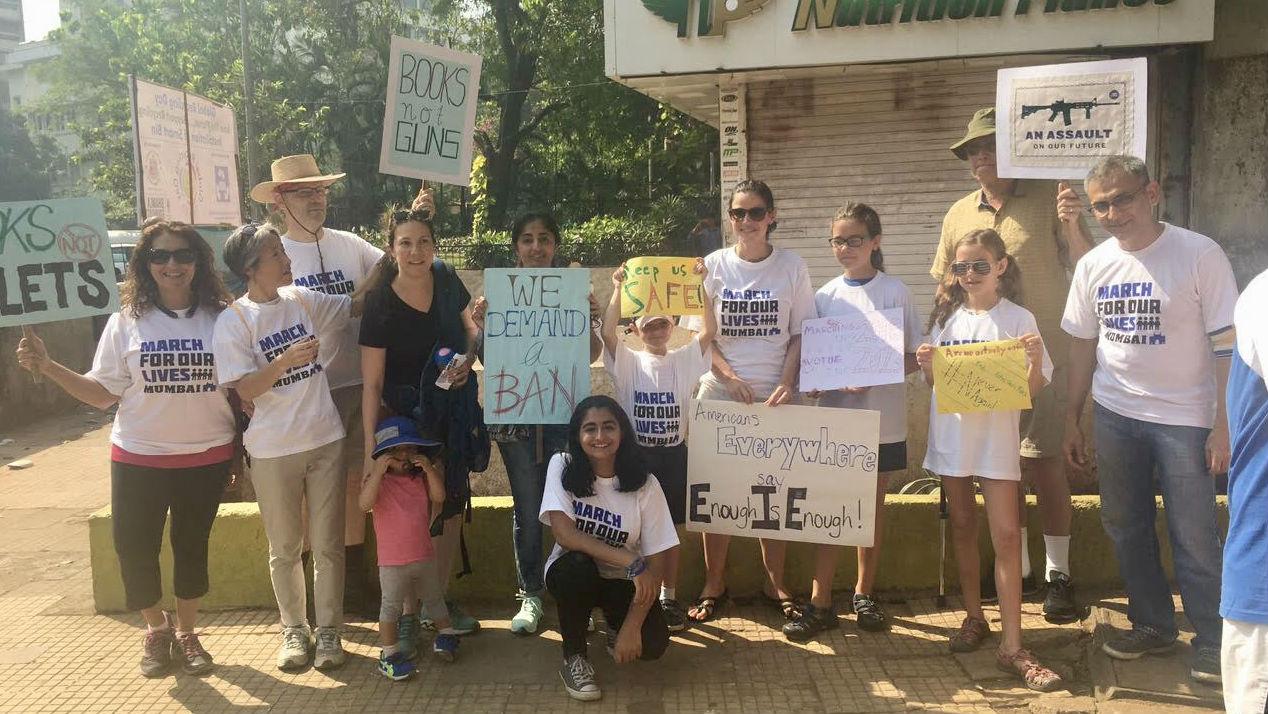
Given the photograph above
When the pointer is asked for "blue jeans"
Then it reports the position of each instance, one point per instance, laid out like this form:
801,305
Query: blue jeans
1129,455
527,477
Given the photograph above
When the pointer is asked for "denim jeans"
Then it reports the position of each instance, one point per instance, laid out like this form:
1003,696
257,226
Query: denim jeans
527,477
1129,454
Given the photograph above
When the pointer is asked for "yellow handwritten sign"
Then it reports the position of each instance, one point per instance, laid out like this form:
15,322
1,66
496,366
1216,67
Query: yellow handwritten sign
661,286
984,377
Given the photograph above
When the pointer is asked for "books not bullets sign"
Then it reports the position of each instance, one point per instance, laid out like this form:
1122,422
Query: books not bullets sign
788,472
862,349
982,377
661,286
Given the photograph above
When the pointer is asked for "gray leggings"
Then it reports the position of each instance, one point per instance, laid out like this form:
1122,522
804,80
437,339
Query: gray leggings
408,583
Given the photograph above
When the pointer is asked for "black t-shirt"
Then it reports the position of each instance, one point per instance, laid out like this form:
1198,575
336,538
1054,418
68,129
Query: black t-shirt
409,336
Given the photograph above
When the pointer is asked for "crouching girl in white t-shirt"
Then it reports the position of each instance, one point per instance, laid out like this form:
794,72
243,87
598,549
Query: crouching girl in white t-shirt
974,303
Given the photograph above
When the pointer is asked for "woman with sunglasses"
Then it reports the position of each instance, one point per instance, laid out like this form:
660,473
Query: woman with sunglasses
172,440
761,295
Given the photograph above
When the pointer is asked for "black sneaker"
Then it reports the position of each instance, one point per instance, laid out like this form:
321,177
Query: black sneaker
1137,643
810,622
1059,606
1030,587
675,615
1206,667
194,660
869,614
156,657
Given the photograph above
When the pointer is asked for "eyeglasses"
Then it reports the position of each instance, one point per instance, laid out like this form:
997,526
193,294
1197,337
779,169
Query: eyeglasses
308,192
158,256
981,267
1122,200
739,214
423,215
852,241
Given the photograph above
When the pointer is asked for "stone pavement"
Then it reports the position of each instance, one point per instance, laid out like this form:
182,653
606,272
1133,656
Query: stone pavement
56,655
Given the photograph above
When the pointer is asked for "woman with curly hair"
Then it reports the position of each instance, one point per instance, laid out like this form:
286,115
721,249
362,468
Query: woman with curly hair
173,434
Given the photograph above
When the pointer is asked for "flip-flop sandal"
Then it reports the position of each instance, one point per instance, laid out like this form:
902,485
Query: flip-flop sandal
707,606
788,606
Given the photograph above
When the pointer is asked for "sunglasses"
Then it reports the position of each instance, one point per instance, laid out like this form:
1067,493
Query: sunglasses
852,241
981,267
158,256
739,214
309,192
423,216
1122,200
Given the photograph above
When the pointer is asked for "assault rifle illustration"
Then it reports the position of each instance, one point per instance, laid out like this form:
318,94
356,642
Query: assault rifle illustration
1063,108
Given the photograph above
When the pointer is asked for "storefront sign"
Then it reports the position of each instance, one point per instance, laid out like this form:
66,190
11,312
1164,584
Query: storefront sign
788,472
1056,121
733,140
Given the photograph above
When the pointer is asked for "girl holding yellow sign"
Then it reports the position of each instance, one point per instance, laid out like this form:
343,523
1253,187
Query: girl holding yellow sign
974,304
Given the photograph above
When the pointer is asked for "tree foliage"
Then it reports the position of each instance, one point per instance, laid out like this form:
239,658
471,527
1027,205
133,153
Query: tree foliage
29,164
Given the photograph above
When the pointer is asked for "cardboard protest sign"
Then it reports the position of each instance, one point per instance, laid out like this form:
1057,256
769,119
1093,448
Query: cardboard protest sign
429,121
661,286
54,262
536,344
1056,121
982,377
862,349
787,472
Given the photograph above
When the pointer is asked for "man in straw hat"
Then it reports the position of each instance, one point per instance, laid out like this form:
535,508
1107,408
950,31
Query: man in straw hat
1042,225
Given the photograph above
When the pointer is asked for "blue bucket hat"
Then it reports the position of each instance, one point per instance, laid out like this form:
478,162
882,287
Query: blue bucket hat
395,431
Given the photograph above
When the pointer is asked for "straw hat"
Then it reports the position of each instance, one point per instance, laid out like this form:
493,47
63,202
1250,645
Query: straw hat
982,124
301,168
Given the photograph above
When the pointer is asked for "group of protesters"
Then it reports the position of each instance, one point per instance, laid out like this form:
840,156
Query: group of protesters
345,373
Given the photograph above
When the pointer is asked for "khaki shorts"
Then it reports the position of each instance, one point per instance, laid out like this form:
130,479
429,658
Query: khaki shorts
1043,426
348,403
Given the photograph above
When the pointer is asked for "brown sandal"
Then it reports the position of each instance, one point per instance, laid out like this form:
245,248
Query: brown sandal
1024,663
972,633
705,609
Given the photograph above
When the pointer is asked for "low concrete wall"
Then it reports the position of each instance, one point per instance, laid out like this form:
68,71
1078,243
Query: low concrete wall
909,559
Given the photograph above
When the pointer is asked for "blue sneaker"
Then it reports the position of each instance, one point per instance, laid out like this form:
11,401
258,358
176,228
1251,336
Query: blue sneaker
445,647
407,635
396,667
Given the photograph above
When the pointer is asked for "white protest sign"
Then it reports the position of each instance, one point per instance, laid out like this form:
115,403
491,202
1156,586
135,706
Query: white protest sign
1055,121
787,473
861,349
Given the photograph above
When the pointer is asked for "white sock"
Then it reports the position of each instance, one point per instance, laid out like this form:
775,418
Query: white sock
1025,553
1058,554
389,650
667,593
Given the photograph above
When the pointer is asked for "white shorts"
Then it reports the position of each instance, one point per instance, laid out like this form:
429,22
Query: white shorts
1244,667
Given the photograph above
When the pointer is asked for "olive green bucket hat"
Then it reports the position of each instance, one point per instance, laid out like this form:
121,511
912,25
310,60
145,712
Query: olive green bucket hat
982,124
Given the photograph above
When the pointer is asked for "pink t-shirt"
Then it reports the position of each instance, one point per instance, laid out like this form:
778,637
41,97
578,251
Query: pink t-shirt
401,515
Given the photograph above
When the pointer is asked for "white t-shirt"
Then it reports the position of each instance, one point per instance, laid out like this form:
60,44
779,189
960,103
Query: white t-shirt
163,371
980,443
348,261
638,521
882,292
1152,310
297,414
654,390
759,306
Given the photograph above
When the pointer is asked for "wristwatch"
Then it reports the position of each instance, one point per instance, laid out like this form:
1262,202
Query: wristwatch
635,569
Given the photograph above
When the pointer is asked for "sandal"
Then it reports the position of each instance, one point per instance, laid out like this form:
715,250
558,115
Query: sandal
706,607
1024,663
970,636
790,608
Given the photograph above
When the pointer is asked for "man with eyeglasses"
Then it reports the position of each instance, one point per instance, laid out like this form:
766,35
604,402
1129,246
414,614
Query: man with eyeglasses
1041,224
1150,314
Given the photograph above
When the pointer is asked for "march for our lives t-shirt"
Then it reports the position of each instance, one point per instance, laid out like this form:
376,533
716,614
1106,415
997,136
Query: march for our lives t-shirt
637,521
297,414
348,261
1245,595
842,297
759,307
982,444
1153,310
162,369
654,390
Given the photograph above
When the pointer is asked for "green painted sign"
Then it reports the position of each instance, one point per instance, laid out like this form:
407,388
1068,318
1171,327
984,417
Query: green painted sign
712,18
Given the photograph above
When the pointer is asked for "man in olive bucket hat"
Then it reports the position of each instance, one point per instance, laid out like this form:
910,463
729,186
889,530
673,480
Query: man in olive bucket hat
333,262
1042,224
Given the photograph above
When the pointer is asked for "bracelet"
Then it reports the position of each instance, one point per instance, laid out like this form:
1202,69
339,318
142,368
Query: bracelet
635,569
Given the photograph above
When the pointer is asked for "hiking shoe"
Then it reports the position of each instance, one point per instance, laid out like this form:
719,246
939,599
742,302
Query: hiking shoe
869,614
396,666
407,635
970,636
1137,643
809,622
296,643
330,653
525,621
1059,606
189,652
675,615
1206,666
578,677
445,647
156,653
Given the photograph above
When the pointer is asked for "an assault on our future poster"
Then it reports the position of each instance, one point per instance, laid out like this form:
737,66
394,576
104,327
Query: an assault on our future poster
536,344
788,472
54,262
1056,121
429,118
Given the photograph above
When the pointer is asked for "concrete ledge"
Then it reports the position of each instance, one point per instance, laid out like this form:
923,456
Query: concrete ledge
909,558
